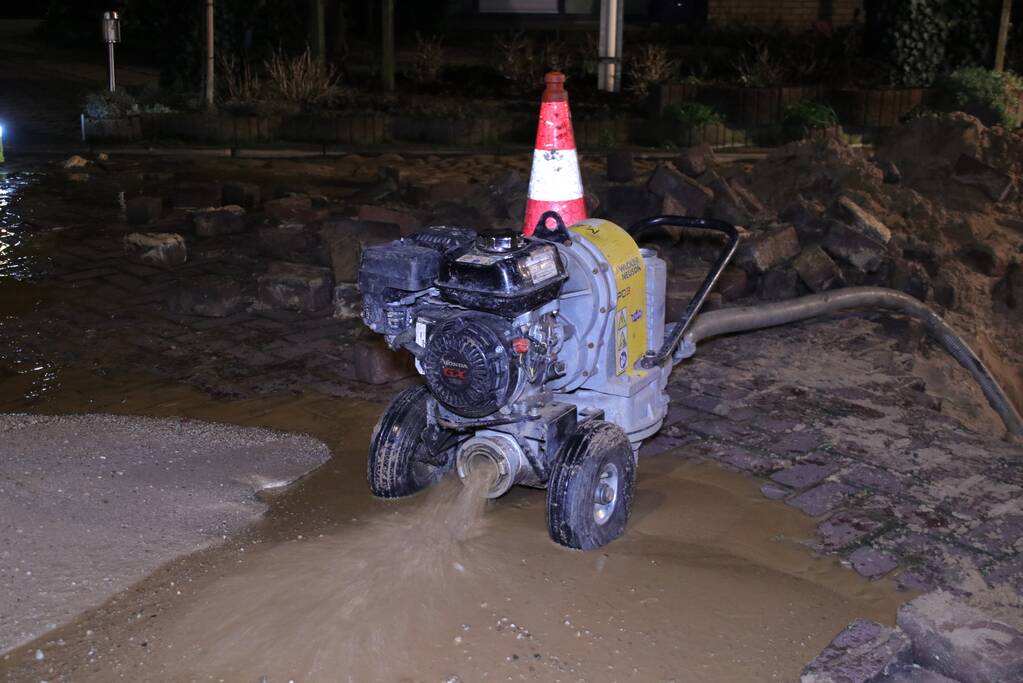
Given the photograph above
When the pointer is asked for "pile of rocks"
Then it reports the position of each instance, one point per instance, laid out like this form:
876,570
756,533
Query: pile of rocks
940,638
784,253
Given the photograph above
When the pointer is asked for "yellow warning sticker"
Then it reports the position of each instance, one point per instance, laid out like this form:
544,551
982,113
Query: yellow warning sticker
623,256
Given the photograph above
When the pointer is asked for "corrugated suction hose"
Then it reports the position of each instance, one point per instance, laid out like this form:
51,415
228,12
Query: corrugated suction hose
747,318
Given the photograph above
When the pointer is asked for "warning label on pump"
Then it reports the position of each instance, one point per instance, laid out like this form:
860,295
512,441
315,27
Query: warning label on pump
621,341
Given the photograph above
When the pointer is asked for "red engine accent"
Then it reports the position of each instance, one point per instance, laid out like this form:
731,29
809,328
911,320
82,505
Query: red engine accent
453,373
520,345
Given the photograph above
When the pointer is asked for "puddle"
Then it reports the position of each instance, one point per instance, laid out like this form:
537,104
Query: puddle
709,583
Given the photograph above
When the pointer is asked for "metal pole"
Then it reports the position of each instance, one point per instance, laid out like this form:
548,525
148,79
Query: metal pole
110,67
609,70
387,40
1003,35
209,54
316,29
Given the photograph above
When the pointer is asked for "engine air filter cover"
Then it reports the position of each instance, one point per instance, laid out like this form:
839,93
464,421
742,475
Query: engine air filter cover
468,366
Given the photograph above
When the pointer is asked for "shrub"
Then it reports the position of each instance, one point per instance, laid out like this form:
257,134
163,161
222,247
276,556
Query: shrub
991,96
648,66
557,56
241,85
920,111
811,115
104,104
302,80
517,60
758,68
692,114
429,60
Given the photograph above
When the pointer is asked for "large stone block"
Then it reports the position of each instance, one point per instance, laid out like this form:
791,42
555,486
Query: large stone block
779,284
961,641
292,242
862,221
850,246
295,287
294,209
344,240
407,221
688,198
728,206
347,301
245,195
227,220
865,652
628,203
160,249
376,363
816,269
768,250
664,179
694,161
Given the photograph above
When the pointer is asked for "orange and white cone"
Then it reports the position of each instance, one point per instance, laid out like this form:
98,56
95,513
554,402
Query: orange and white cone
554,183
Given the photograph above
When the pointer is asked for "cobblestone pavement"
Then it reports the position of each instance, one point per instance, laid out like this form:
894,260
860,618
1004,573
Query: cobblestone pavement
832,416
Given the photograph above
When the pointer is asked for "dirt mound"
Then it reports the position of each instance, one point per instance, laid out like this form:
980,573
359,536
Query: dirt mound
813,170
949,191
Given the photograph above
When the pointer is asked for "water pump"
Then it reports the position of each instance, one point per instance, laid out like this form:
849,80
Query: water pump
544,360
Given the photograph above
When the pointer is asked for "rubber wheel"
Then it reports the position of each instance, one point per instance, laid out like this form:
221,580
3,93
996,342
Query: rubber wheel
589,495
396,453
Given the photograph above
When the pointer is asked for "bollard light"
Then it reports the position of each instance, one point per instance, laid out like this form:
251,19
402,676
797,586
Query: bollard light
111,28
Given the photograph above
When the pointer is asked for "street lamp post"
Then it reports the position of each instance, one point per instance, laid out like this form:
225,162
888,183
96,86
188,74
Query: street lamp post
111,34
209,54
609,69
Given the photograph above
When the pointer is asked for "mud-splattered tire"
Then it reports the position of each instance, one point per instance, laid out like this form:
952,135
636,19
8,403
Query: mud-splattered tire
397,466
589,495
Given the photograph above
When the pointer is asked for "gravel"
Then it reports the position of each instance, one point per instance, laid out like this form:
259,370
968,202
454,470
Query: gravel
90,504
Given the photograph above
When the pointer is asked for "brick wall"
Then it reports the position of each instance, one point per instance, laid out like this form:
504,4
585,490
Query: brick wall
787,14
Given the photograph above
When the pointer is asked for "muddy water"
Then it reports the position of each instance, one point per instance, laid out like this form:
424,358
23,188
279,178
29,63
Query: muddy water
709,584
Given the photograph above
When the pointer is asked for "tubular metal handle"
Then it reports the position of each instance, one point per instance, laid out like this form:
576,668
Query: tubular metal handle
653,359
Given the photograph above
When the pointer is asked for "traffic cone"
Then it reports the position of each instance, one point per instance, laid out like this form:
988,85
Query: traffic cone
554,182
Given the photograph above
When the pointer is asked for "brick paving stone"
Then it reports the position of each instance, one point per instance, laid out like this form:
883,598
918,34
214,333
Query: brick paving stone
821,499
843,529
662,443
746,460
797,442
872,563
865,652
720,428
1001,535
804,475
872,478
774,491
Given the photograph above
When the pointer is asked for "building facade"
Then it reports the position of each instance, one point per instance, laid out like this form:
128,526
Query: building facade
792,15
